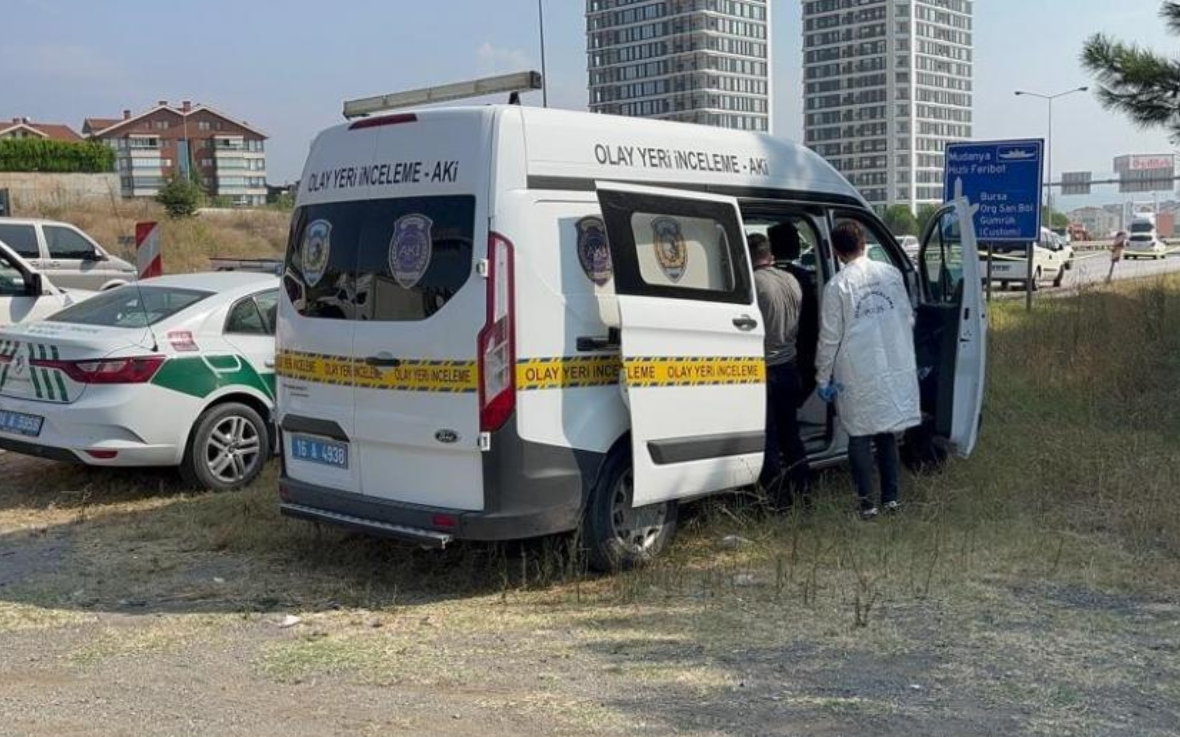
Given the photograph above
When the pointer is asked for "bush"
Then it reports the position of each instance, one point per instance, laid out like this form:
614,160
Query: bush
181,198
59,157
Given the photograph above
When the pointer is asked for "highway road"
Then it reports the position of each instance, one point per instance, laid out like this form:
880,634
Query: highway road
1090,267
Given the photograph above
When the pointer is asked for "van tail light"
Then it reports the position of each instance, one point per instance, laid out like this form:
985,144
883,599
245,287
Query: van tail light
139,370
497,340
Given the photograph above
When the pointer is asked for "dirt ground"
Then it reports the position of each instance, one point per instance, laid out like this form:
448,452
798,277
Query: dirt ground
118,618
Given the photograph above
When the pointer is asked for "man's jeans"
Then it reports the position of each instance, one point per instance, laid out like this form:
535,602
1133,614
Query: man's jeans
783,389
860,456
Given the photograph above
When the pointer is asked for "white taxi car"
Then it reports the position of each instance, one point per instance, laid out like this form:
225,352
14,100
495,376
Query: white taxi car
172,371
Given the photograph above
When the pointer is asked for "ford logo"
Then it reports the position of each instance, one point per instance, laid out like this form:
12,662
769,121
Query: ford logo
447,436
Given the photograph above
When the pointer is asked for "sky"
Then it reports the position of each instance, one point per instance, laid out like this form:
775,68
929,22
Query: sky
287,67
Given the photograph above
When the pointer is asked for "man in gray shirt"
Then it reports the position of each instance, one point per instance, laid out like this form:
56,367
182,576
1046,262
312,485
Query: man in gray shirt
780,299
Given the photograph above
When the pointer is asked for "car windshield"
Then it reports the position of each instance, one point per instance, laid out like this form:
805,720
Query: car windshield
132,306
1142,228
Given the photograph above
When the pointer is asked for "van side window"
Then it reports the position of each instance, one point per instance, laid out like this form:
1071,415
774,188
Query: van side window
685,252
20,238
64,243
392,260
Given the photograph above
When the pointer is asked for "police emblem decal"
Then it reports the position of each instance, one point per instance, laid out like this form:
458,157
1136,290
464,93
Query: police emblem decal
315,251
410,249
671,249
594,250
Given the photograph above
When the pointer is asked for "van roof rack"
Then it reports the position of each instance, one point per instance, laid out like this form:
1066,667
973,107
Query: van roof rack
513,84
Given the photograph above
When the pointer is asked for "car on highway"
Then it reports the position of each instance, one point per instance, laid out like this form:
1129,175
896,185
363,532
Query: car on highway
1144,240
911,246
1052,257
65,254
25,293
170,371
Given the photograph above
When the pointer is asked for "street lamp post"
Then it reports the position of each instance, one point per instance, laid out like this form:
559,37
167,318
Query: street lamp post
1049,179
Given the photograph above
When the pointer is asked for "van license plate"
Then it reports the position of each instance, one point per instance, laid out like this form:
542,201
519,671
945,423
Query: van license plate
20,423
315,450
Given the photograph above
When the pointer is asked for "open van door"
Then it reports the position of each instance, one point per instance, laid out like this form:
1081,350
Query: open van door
953,323
691,340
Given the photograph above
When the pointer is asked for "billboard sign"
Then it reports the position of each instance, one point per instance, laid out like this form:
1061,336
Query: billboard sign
1146,173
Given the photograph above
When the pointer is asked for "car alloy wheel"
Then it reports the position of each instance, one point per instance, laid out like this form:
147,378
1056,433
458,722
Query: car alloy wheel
232,449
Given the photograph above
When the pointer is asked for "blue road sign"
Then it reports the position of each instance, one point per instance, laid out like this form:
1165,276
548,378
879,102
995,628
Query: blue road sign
1002,179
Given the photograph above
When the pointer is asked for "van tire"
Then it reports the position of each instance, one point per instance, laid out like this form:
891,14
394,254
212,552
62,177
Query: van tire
609,531
1035,283
1060,277
250,447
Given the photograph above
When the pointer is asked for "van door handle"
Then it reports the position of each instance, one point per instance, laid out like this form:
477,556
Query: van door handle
745,323
609,342
383,362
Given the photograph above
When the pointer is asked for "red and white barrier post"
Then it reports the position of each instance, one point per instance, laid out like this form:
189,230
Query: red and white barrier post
147,250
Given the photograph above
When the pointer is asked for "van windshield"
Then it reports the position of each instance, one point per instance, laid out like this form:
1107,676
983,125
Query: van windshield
391,260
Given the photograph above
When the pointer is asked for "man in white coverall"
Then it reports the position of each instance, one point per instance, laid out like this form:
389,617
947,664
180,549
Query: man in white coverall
866,363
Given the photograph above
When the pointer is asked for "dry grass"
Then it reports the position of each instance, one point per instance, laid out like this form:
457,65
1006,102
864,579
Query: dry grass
1037,577
187,243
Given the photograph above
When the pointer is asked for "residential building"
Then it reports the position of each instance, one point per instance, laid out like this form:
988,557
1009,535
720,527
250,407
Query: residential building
227,156
887,85
25,128
1099,222
697,61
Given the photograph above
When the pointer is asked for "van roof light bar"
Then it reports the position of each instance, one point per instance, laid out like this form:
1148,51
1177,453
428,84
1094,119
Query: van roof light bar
513,84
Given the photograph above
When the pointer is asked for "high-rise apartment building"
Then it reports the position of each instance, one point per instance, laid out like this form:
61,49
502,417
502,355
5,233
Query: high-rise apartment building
697,61
887,84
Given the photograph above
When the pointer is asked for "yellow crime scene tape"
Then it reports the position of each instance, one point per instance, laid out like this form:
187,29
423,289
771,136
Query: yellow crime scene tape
410,375
694,371
532,374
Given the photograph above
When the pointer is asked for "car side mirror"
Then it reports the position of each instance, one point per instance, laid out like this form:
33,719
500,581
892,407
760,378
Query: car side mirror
97,255
36,284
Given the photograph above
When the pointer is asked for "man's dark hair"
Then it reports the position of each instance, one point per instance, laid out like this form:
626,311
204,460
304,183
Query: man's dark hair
848,238
760,249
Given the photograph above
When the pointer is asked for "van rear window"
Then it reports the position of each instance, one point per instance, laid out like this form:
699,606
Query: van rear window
392,260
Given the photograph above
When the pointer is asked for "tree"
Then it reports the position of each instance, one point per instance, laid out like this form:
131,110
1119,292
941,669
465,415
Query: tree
925,215
181,198
901,220
1136,81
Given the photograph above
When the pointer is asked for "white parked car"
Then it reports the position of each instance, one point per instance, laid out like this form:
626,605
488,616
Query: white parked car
25,293
172,371
66,254
1052,257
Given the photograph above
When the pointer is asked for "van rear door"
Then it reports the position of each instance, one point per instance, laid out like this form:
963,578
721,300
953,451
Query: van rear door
692,340
954,316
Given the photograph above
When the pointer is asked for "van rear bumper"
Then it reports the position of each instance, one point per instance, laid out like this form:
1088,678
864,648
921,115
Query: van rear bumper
421,525
530,490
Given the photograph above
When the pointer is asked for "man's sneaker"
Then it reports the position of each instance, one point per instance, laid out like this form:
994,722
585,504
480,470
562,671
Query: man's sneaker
892,507
869,513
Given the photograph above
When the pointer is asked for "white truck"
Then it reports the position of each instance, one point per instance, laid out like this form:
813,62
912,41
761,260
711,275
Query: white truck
1052,257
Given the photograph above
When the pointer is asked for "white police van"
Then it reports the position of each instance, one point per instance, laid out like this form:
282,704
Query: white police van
503,322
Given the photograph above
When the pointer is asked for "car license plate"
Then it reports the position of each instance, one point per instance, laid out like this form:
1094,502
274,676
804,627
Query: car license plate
315,450
20,423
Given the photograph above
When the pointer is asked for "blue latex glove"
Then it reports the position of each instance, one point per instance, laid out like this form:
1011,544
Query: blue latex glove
828,391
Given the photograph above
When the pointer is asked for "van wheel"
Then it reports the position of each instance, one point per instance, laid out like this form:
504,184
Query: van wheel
1059,278
229,445
1035,283
621,537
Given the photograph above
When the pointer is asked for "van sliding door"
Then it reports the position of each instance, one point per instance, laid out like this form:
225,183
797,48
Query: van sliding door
692,341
